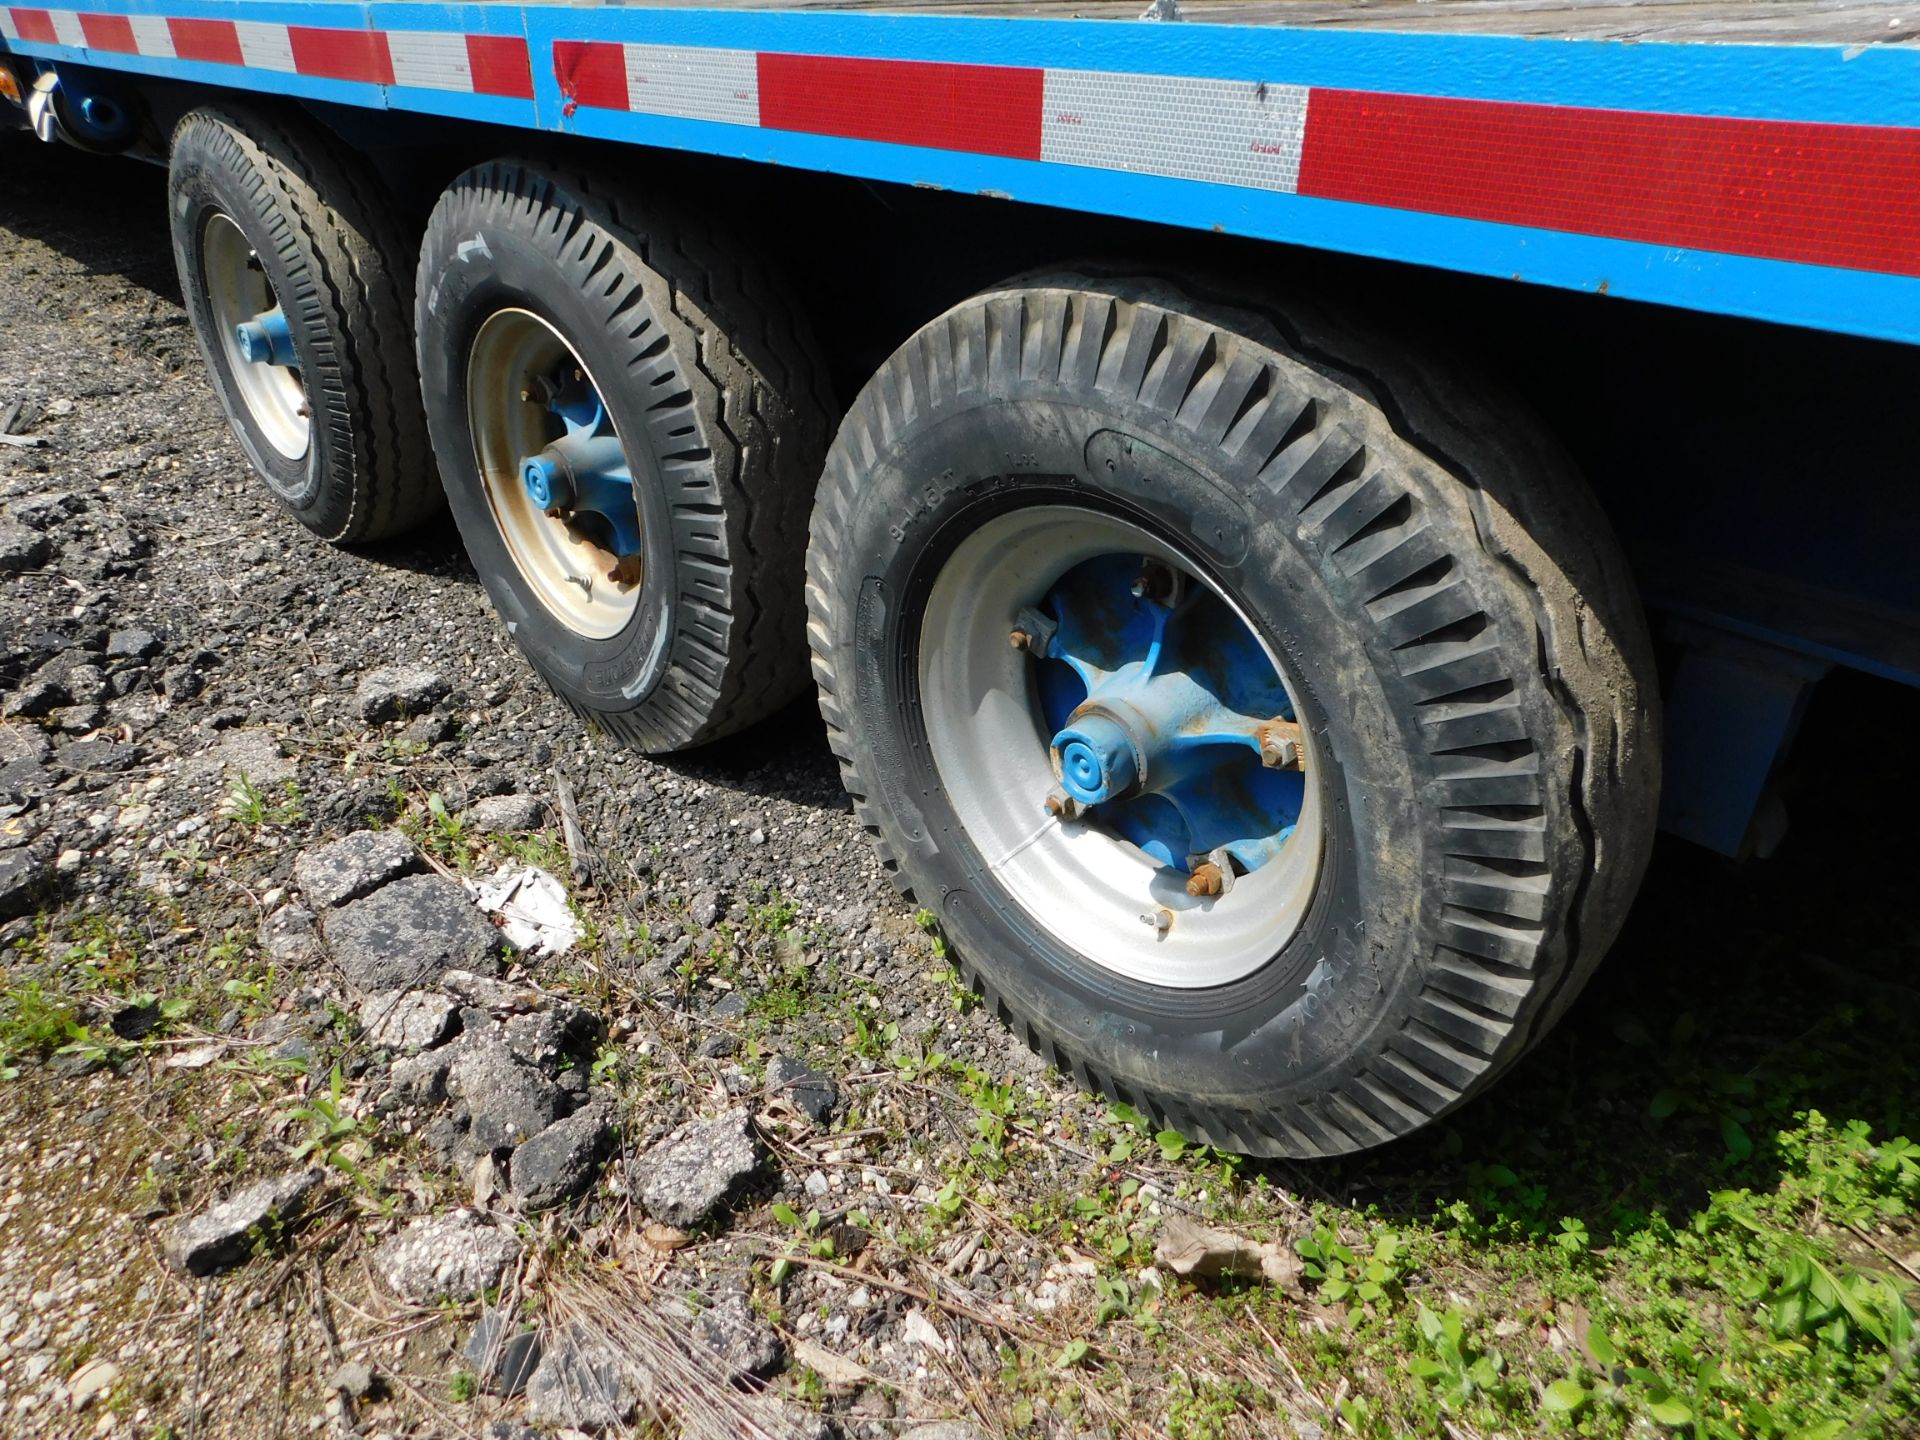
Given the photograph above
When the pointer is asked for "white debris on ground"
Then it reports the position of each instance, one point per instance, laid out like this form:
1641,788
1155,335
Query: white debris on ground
531,907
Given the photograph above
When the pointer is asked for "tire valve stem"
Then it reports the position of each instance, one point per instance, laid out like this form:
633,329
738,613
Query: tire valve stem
585,582
1160,918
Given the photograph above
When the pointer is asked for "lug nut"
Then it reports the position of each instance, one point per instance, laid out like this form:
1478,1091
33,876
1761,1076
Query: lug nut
1205,879
1280,747
1211,873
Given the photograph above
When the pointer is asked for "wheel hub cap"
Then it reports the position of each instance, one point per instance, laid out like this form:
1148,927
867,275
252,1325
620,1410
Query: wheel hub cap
267,339
584,474
1170,708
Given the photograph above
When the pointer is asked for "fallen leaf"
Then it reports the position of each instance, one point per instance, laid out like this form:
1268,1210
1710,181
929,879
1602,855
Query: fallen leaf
836,1370
1198,1251
663,1238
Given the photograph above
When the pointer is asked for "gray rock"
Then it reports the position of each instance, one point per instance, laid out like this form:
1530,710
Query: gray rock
82,755
580,1384
487,993
501,1361
744,1344
690,1173
453,1256
562,1160
397,691
774,1416
705,909
945,1430
508,1100
21,549
420,1080
220,1236
23,742
90,1381
355,1377
427,731
256,754
408,933
78,719
25,876
289,937
132,644
38,698
553,1036
812,1093
87,685
332,875
505,814
413,1020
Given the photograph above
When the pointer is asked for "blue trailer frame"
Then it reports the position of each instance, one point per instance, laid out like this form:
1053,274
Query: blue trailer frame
1830,96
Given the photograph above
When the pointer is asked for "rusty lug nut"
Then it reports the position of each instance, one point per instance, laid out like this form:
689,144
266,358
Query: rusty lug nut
1205,880
1280,747
1020,640
626,570
1063,806
1160,918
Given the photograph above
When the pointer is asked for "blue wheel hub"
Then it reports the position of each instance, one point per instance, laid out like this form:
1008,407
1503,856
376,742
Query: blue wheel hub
583,476
1171,726
266,339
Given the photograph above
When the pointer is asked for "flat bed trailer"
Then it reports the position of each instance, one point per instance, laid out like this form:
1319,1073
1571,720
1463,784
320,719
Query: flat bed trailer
1212,621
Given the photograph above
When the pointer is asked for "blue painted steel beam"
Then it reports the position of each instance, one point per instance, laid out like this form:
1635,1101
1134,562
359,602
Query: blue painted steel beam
1875,85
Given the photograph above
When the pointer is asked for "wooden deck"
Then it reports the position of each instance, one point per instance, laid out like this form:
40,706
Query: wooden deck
1753,22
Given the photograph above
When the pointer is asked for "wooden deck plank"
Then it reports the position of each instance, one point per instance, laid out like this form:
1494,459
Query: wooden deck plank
1755,22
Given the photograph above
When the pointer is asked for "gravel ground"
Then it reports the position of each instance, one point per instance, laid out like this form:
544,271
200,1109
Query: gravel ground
291,1144
185,715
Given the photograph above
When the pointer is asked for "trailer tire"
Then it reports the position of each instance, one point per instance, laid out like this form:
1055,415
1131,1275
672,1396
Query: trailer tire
705,374
338,436
1454,624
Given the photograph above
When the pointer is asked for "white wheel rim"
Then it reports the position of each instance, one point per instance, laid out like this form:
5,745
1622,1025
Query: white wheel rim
566,571
1091,891
275,396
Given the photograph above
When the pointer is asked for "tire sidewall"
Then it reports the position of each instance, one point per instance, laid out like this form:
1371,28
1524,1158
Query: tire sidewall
1295,1025
606,675
210,174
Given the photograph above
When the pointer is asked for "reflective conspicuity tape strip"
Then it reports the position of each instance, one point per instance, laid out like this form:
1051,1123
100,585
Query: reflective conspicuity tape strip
424,59
151,36
1225,132
110,32
976,109
66,27
1845,195
214,42
265,47
693,84
430,60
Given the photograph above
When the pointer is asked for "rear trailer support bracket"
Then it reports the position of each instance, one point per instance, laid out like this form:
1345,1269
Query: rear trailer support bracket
1732,709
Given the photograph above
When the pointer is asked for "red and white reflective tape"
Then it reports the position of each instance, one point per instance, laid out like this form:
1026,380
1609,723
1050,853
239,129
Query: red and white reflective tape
1800,191
422,59
1812,193
1222,132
